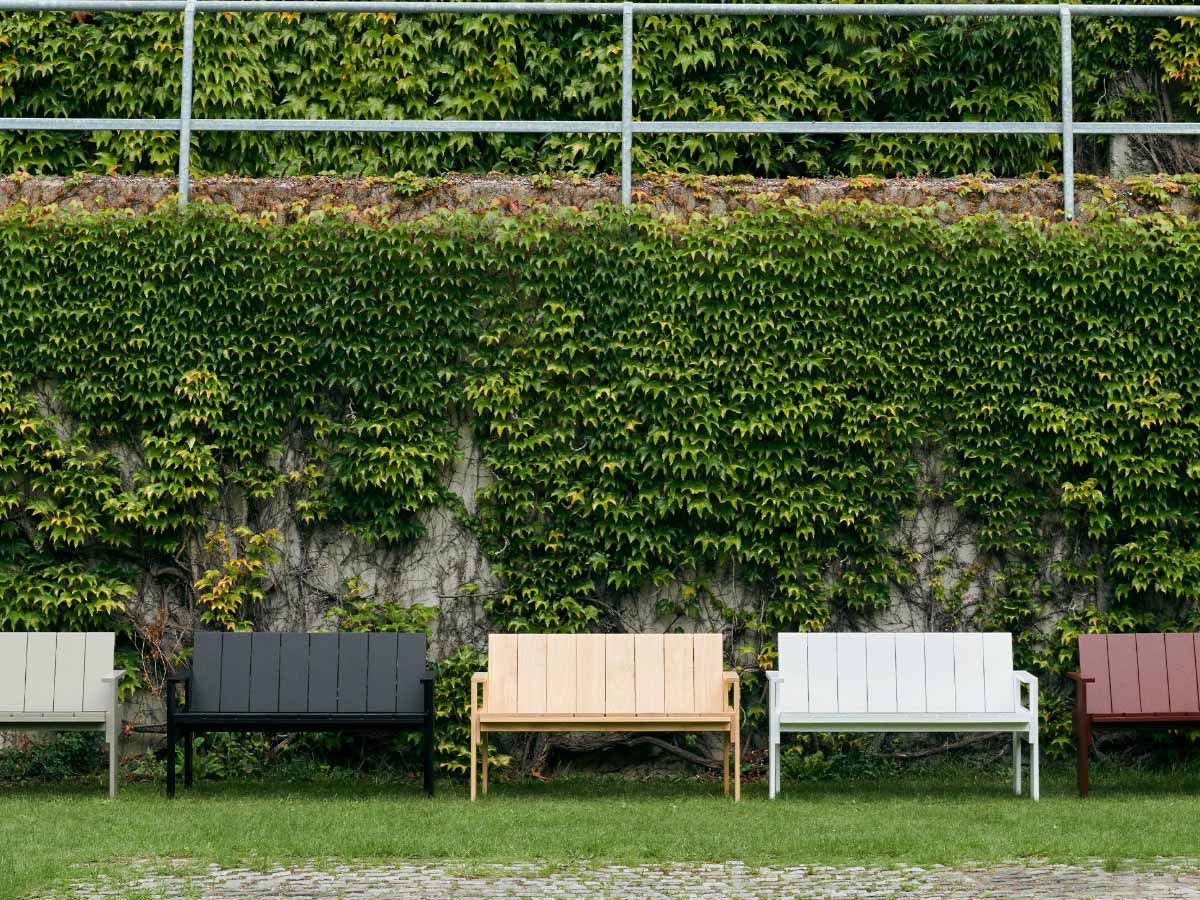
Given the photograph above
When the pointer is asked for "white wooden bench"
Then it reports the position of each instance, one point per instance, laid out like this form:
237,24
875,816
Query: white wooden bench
61,682
902,682
606,682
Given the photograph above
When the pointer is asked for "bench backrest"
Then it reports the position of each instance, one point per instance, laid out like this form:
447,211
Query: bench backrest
269,672
1141,674
605,674
51,672
896,673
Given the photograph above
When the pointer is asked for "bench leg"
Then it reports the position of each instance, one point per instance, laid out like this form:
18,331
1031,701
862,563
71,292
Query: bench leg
1017,763
427,755
737,762
486,759
114,756
772,764
474,739
1034,787
170,759
189,741
1083,740
725,764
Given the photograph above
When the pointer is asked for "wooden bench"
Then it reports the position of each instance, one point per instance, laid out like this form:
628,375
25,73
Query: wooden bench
62,682
902,683
605,682
301,682
1133,681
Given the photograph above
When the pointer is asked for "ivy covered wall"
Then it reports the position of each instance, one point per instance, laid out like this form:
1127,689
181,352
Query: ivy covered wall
790,417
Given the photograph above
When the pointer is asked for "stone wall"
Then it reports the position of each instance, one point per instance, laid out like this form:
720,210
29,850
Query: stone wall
406,197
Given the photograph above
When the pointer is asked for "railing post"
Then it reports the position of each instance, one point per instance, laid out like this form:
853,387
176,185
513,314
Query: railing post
1067,91
627,103
185,104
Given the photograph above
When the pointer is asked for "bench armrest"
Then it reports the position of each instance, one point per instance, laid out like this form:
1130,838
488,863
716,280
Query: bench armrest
1081,697
480,679
774,680
114,678
1031,684
731,679
184,678
428,675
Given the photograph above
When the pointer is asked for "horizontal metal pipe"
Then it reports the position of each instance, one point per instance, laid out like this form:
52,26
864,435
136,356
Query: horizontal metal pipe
847,127
558,126
524,7
468,126
907,9
1166,128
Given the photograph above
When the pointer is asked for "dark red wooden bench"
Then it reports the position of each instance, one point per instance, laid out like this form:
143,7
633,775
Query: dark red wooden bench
1134,681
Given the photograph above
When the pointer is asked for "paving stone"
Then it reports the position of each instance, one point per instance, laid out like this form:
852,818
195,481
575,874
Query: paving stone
1165,879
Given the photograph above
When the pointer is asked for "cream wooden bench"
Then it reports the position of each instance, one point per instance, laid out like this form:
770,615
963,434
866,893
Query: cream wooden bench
61,682
605,682
902,682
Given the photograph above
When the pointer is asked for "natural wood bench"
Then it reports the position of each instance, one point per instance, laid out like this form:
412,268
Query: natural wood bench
902,682
62,682
301,682
1133,681
605,682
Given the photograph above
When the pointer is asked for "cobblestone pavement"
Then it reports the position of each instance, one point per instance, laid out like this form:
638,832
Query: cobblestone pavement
1165,880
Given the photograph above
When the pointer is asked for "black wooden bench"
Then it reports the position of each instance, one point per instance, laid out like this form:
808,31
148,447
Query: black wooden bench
301,682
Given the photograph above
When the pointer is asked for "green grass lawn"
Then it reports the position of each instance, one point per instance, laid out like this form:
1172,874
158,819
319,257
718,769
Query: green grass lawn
50,835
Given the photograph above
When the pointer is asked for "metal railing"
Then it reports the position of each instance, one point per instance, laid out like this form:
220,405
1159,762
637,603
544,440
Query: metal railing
626,126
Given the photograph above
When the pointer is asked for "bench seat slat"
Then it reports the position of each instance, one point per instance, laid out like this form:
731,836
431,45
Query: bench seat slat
293,673
502,673
206,670
968,673
1181,672
382,650
822,673
620,675
411,650
561,672
39,672
679,676
852,673
999,688
12,672
69,659
1123,673
939,673
352,673
531,673
1152,673
589,674
98,662
910,673
322,673
650,678
1093,663
264,672
708,658
235,672
881,673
